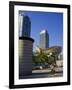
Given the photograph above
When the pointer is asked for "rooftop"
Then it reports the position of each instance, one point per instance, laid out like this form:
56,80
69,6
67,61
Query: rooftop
43,31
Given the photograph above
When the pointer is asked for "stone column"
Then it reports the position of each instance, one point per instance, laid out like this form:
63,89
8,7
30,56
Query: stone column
25,56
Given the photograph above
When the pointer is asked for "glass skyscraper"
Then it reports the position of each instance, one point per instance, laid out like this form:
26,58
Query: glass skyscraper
24,26
44,39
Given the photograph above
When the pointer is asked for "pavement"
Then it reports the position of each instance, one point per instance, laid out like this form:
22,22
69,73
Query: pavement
44,73
48,70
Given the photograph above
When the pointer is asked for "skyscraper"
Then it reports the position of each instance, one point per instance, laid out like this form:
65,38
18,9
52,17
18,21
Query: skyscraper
24,25
20,24
44,39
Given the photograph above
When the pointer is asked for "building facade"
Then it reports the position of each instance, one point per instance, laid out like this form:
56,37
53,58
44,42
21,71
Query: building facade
24,25
25,56
20,19
44,39
25,46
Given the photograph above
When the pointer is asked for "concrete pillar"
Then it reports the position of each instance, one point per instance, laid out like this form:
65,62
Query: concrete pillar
25,56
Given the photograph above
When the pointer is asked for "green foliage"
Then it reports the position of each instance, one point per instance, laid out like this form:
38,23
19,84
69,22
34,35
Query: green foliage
48,57
43,58
50,60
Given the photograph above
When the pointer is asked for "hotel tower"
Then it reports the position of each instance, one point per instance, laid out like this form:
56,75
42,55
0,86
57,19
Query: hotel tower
44,39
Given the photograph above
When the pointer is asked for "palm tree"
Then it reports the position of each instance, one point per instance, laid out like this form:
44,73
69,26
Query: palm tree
41,55
49,57
52,62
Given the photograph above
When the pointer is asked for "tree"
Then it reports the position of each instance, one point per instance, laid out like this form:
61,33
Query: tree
49,56
41,55
52,62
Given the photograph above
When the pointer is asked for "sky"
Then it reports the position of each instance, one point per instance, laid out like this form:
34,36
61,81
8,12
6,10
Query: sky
51,21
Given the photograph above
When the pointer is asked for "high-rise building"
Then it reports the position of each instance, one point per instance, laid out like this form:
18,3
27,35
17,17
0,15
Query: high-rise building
20,24
24,25
44,39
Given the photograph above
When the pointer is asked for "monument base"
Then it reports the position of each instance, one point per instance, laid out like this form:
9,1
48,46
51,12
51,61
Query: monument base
25,56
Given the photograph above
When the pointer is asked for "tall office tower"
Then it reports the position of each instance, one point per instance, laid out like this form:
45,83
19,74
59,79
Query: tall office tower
20,24
24,25
44,39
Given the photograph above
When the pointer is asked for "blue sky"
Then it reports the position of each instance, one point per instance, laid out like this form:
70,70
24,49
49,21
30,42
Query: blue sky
51,21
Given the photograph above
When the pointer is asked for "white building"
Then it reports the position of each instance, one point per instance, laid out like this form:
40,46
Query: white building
20,18
44,39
